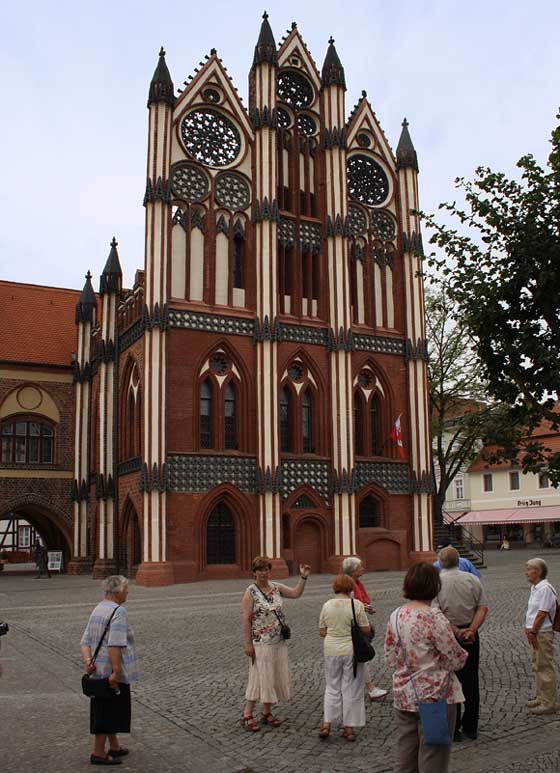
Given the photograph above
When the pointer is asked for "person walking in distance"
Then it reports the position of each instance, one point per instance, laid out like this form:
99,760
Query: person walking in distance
41,561
463,602
541,610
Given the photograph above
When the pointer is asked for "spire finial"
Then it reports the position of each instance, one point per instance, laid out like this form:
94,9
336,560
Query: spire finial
332,73
161,86
114,242
265,50
406,154
364,94
88,275
294,25
213,52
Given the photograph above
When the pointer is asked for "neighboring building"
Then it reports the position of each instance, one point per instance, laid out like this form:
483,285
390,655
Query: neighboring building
37,345
499,501
239,398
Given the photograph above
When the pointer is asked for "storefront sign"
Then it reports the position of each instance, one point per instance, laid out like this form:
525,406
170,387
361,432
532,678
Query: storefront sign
529,503
55,560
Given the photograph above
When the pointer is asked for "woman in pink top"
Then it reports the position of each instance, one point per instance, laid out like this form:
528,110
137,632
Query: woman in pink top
421,647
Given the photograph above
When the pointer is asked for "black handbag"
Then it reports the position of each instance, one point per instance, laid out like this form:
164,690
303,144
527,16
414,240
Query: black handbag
4,628
363,649
99,688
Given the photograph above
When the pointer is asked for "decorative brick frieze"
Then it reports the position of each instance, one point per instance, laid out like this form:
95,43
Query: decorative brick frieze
194,473
381,344
392,476
211,323
297,472
130,465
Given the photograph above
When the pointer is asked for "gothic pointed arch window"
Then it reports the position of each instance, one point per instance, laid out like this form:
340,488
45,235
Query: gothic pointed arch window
220,536
230,428
285,420
205,415
358,423
374,411
238,256
368,513
307,422
130,414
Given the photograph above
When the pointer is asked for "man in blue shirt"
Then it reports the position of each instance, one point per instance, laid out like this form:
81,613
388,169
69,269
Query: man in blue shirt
464,564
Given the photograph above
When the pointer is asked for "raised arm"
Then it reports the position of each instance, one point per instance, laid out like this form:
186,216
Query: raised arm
297,590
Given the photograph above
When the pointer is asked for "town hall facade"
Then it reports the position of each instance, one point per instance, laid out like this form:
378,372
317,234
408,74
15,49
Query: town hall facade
242,398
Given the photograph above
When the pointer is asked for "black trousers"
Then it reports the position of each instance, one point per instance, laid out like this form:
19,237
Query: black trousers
467,717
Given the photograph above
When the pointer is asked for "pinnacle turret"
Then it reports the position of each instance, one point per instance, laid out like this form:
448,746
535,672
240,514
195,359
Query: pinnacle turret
161,86
265,50
112,273
406,155
86,303
333,71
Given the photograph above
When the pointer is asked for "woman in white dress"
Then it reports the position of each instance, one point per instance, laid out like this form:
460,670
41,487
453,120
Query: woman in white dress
345,680
265,637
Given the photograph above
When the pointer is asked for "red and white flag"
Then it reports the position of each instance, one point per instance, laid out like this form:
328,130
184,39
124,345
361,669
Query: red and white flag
396,435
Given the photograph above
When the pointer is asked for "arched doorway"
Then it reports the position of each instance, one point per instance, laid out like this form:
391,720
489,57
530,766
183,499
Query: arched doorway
220,536
50,526
131,543
308,545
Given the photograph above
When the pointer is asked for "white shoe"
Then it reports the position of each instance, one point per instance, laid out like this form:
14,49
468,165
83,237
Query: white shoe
377,693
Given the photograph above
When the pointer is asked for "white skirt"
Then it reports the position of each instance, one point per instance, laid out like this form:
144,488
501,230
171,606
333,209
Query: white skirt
269,675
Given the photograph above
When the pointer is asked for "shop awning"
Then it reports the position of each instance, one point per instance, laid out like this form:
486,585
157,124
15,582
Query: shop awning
498,517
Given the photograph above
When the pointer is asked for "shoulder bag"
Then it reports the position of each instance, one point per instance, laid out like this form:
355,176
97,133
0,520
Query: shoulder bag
99,688
285,630
556,619
363,649
4,628
433,715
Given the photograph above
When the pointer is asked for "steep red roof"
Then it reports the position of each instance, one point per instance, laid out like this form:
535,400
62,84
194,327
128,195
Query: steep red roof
37,323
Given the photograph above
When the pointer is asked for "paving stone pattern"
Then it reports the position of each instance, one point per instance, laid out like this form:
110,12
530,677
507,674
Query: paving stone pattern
187,709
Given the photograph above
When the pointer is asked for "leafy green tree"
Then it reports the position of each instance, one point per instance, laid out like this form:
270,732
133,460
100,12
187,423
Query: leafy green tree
502,273
461,416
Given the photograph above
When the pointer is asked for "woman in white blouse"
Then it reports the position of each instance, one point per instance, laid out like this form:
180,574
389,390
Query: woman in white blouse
421,646
344,689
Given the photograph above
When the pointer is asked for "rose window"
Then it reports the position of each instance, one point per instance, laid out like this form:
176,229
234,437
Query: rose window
306,125
284,119
189,183
365,379
219,363
232,191
210,137
367,182
295,372
358,219
294,89
383,225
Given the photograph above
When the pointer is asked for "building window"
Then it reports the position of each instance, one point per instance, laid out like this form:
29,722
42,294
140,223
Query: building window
285,434
238,260
368,513
24,536
27,442
358,424
307,423
374,419
487,482
459,488
220,537
544,480
230,433
205,415
514,481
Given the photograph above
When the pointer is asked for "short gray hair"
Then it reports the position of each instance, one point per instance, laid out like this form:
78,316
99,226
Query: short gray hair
116,583
351,564
448,557
539,564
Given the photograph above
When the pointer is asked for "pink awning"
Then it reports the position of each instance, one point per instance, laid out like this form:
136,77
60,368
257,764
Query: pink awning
497,517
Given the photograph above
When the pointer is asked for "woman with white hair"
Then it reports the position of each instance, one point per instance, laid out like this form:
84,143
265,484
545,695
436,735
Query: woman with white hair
116,661
354,568
541,610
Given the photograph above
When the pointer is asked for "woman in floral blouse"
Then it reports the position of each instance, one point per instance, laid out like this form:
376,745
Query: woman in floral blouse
421,647
265,642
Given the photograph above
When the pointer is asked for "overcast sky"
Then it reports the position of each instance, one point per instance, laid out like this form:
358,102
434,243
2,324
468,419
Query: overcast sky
478,81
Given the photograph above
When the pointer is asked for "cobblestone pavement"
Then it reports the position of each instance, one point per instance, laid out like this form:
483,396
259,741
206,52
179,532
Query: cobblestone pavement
187,709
